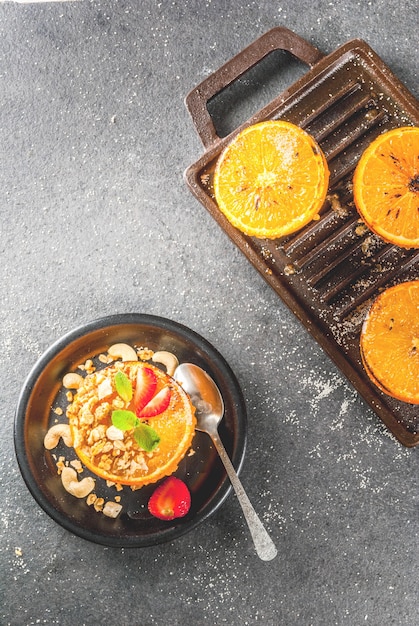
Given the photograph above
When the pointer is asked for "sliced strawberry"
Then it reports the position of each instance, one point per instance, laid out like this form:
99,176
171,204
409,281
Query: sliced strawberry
171,499
145,389
157,405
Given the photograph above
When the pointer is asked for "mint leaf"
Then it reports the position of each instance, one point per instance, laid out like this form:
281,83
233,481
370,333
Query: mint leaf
123,386
124,420
146,437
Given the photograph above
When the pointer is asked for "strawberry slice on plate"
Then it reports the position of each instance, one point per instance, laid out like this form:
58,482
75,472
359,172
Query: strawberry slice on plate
170,500
145,388
157,404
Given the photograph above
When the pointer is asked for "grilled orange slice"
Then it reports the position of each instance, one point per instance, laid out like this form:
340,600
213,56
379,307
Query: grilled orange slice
386,186
390,342
115,454
271,180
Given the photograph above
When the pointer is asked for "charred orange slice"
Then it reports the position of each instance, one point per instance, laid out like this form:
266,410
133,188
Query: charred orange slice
386,186
390,342
127,435
271,180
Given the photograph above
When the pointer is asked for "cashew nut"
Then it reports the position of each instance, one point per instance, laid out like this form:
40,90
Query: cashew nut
168,359
112,509
79,489
104,389
123,351
114,434
53,435
72,380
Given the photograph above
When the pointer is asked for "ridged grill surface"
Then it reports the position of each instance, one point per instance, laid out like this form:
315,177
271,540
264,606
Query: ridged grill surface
330,272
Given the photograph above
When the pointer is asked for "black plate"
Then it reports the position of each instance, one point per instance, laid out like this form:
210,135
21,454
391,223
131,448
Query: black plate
203,471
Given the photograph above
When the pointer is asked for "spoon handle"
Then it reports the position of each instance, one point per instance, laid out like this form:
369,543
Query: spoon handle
264,545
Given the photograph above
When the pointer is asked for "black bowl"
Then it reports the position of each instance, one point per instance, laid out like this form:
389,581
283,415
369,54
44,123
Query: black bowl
202,471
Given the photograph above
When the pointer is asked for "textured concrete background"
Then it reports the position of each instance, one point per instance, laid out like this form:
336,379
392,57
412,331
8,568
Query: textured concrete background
96,220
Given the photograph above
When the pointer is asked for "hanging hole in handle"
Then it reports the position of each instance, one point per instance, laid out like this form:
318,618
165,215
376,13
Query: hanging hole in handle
254,89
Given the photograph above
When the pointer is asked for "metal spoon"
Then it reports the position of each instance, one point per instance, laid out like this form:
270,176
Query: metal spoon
209,405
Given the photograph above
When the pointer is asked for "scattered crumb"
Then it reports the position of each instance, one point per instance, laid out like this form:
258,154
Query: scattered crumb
371,114
145,354
361,229
98,504
60,464
77,465
89,367
289,270
367,246
337,206
105,358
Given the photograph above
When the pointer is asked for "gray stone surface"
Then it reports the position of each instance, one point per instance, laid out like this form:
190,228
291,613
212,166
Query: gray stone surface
96,220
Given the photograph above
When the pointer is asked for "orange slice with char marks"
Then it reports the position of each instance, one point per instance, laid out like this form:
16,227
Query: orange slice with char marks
386,186
271,180
390,342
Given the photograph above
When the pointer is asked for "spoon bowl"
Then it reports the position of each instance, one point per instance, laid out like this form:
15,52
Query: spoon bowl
209,410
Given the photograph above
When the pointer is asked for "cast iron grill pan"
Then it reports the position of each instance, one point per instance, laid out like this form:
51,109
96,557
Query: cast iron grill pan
328,273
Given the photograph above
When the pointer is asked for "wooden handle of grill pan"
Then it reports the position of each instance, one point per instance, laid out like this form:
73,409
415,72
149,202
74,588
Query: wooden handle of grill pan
278,38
